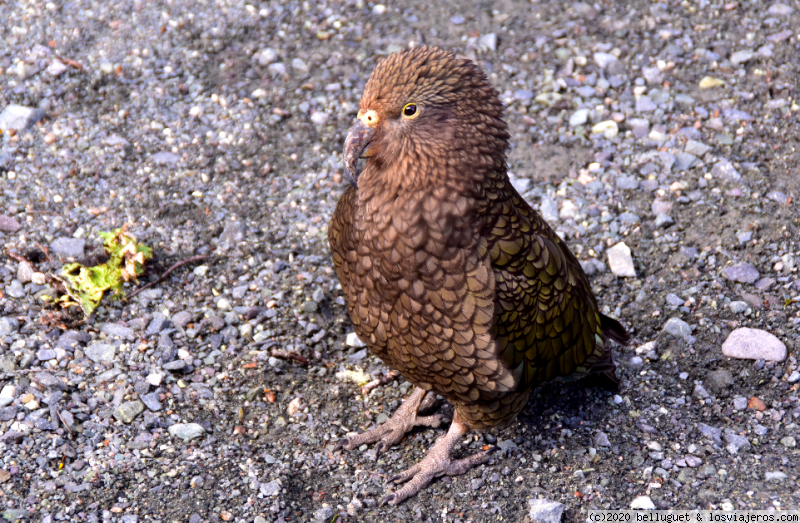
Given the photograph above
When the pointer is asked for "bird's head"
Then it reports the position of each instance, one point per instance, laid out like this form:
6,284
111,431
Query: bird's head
426,106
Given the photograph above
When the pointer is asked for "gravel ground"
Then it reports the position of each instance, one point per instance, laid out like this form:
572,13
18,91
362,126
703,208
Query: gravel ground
215,128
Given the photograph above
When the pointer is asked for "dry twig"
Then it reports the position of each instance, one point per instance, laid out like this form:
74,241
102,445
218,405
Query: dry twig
169,271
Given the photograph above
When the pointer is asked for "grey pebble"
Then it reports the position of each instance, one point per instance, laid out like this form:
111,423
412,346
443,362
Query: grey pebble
100,352
9,224
118,330
323,515
710,432
157,324
545,511
271,488
724,170
8,326
736,443
15,289
152,401
737,307
741,273
68,247
663,221
186,431
677,328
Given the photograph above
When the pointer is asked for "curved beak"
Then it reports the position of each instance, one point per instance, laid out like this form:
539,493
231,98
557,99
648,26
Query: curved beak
356,146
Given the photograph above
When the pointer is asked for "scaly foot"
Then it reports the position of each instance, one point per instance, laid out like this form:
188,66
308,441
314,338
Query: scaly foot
437,463
391,432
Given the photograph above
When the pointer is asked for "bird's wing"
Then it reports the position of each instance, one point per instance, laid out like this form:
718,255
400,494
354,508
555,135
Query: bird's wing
547,324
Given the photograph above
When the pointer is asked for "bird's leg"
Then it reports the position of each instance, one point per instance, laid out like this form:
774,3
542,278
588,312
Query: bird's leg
437,463
404,419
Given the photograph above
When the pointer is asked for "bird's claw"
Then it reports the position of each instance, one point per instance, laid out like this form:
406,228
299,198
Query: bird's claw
433,466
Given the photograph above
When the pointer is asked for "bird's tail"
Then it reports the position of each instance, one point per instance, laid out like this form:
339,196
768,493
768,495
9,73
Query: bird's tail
613,330
604,371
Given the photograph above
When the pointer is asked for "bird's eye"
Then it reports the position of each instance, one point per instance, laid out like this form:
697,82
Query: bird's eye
410,111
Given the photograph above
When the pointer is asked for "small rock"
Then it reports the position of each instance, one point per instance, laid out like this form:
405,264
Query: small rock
165,158
608,128
324,514
267,56
68,247
789,442
157,324
7,395
579,117
775,476
709,82
740,57
780,9
15,289
736,443
645,105
100,352
488,42
738,307
603,60
776,196
8,326
128,411
224,304
309,306
545,511
643,502
756,403
19,118
710,432
273,488
724,170
741,272
627,183
187,431
696,148
120,331
663,220
620,260
740,403
794,377
678,328
685,161
753,344
152,401
693,461
353,340
233,233
9,224
719,380
601,439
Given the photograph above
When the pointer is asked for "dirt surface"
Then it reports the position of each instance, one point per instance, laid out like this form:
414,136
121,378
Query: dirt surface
215,128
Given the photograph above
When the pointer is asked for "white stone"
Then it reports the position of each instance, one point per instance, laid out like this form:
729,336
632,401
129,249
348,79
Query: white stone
579,117
354,341
752,344
643,502
7,395
608,128
603,60
620,260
